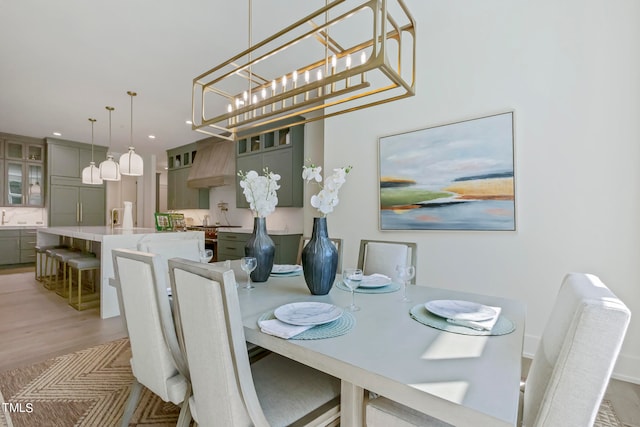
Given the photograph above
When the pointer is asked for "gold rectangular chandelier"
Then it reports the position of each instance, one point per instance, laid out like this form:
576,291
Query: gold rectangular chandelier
343,57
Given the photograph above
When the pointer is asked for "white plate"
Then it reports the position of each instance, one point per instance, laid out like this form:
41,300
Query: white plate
307,313
285,268
374,281
460,310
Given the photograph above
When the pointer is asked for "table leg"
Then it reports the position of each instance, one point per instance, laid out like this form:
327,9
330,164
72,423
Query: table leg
351,405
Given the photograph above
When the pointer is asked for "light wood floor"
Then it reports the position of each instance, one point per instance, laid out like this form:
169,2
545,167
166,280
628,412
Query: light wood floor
36,324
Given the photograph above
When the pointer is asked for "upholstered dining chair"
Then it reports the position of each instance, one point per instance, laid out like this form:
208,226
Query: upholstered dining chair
336,242
227,390
156,361
570,369
379,256
183,248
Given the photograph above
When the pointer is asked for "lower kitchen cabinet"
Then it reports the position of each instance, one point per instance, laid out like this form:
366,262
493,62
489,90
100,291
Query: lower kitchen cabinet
9,247
17,246
28,237
231,246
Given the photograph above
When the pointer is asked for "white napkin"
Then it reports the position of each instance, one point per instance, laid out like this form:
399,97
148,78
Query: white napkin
484,325
281,329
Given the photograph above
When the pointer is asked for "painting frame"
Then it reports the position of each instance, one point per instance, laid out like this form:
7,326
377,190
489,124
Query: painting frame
458,176
163,221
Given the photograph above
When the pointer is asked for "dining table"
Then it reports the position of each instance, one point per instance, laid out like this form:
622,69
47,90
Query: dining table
461,379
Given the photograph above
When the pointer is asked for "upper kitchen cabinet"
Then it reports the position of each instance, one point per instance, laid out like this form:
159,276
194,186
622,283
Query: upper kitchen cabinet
68,159
70,201
180,195
21,170
282,151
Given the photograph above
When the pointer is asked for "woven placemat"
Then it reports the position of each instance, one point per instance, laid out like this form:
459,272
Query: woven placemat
336,328
502,327
381,290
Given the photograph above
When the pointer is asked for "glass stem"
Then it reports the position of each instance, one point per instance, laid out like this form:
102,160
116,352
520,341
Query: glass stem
353,298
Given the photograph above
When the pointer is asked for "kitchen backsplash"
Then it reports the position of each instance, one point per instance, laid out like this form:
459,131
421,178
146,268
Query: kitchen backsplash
24,216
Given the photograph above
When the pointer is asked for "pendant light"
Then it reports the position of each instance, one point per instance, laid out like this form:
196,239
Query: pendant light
131,163
250,93
91,174
109,169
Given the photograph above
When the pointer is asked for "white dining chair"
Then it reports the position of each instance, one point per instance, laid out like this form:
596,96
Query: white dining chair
576,355
570,370
156,361
227,390
382,257
336,242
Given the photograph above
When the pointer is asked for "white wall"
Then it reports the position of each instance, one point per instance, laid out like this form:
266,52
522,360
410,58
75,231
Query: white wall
570,72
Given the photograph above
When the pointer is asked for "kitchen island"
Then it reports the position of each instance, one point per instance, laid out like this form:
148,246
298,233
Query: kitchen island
110,238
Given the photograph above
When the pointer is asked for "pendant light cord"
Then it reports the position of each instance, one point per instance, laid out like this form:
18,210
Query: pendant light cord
92,122
110,109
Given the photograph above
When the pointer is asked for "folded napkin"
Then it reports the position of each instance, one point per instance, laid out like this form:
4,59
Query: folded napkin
483,325
281,329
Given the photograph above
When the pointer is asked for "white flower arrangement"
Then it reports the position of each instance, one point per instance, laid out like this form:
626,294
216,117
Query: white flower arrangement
327,198
260,191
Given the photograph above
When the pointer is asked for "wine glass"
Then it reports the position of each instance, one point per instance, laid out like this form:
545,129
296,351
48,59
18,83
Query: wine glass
352,277
206,255
248,264
405,273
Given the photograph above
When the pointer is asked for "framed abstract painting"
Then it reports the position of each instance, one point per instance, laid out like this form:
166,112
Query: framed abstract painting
458,176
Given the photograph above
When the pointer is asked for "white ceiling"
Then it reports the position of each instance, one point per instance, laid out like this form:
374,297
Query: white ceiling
62,62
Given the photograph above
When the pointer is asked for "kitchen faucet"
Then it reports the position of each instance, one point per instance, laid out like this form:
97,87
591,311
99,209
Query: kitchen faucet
205,221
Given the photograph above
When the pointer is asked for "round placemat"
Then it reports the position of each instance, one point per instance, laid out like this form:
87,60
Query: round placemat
381,290
329,330
502,327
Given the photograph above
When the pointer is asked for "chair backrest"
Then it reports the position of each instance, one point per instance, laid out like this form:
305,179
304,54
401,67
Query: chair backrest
577,353
379,256
336,242
173,248
212,336
142,291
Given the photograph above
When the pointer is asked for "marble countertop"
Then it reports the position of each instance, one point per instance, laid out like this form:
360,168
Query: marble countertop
98,232
20,226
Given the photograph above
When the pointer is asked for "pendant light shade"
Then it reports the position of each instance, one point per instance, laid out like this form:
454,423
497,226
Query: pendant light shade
131,163
109,169
91,174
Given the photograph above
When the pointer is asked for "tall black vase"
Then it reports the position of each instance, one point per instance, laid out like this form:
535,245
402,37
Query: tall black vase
319,259
262,248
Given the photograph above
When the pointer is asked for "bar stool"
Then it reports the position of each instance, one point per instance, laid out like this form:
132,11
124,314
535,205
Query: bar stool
81,265
50,261
63,259
41,259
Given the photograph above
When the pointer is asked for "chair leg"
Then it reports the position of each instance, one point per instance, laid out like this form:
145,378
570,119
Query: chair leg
184,419
132,403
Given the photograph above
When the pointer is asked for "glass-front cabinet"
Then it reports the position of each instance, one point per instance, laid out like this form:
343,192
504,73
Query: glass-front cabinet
21,171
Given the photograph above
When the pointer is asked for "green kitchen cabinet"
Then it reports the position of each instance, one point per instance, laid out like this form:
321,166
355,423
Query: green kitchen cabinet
21,171
70,201
28,238
9,247
282,152
179,194
231,246
73,204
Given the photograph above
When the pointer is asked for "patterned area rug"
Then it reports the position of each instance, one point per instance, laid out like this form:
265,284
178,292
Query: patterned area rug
86,388
90,388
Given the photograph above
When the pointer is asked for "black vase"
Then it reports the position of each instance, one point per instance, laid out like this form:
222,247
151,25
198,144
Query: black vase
319,259
262,248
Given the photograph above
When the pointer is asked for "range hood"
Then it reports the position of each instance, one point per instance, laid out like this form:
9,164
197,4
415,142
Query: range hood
214,164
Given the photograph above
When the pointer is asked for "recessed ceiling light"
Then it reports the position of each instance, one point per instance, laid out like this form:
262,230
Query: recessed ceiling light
152,137
57,134
189,122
